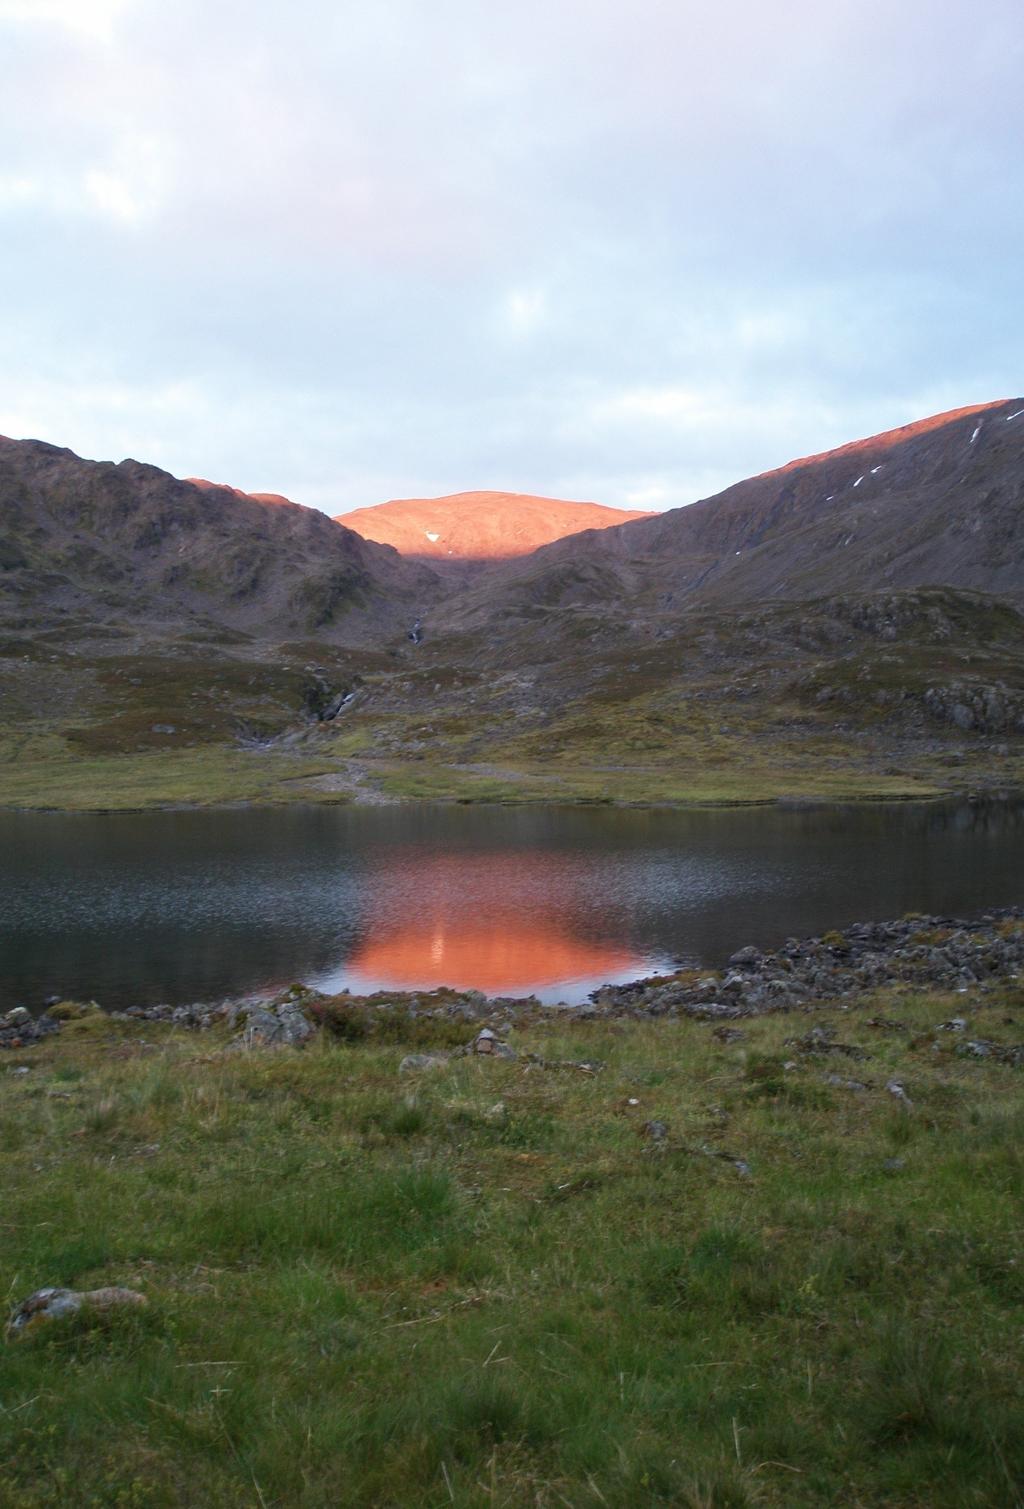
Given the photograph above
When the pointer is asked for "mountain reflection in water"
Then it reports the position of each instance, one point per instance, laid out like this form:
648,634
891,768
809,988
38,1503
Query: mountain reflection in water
486,922
498,955
196,906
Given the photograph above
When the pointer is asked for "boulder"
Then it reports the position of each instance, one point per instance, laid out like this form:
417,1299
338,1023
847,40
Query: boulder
489,1042
282,1026
57,1304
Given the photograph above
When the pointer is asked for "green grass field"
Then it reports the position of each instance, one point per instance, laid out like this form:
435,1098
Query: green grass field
483,1285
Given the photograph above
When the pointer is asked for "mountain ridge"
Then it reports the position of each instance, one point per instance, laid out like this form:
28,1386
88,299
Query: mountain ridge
940,500
936,501
105,537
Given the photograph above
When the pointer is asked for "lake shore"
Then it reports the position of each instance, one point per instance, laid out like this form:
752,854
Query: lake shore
839,968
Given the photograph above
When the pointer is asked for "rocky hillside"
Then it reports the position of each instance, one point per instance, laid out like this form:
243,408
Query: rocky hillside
937,502
478,527
849,623
96,541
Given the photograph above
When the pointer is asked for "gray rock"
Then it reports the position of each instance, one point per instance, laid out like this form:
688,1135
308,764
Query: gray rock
741,1165
281,1026
984,1047
897,1091
488,1042
839,1083
19,1028
584,1065
57,1304
728,1034
414,1063
261,1029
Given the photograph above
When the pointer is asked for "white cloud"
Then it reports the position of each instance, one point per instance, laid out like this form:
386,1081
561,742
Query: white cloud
652,495
95,19
101,418
524,310
680,407
18,191
131,188
113,196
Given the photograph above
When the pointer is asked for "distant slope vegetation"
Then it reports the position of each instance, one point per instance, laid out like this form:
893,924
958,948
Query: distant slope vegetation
129,541
934,503
478,527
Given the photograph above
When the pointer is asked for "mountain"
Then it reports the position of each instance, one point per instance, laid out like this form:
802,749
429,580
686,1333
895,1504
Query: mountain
849,623
130,541
936,502
478,527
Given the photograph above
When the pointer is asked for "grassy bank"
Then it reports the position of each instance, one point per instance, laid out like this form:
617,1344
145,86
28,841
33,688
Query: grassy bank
38,773
37,778
483,1285
887,697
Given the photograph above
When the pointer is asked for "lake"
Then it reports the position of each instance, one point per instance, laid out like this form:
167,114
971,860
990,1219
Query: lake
192,906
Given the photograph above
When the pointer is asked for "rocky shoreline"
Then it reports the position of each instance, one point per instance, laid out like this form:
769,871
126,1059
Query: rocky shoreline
917,953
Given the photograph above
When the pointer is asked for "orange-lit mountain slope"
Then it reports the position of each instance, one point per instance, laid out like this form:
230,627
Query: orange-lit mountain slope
478,526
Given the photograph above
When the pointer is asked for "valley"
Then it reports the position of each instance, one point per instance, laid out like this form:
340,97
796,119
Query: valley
166,642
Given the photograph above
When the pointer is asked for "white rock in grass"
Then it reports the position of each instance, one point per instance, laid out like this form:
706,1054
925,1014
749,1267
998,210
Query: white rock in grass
57,1304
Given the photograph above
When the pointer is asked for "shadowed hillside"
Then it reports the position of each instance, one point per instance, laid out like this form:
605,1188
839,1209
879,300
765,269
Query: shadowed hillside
940,501
130,542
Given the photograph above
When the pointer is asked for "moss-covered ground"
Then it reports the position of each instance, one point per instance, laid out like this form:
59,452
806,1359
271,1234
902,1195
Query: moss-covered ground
483,1285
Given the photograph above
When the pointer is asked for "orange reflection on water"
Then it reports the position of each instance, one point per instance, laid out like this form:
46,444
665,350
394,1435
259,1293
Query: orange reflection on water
500,955
504,923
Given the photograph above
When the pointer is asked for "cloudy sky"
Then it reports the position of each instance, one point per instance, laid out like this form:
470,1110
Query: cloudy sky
628,250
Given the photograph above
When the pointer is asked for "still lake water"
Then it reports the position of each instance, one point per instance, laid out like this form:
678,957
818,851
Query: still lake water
195,906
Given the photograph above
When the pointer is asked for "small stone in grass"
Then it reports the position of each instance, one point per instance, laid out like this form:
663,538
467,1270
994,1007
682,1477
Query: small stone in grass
896,1090
412,1063
56,1304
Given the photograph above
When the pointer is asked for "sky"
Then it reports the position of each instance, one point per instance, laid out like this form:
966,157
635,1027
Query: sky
621,250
